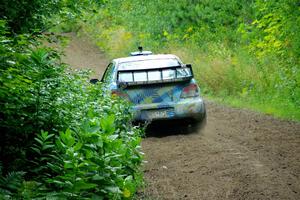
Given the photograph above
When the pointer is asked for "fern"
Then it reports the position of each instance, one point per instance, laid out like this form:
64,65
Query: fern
11,183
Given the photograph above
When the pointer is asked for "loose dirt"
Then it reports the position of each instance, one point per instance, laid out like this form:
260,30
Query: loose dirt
239,155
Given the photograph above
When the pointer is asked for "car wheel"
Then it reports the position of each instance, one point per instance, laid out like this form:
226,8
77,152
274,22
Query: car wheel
199,123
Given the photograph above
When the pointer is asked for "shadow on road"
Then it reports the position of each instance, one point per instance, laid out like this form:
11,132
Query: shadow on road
172,127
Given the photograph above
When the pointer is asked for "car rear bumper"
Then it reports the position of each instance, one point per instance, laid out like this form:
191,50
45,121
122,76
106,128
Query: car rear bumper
185,108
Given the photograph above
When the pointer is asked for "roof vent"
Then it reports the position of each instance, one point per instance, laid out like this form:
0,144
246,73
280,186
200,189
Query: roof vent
141,52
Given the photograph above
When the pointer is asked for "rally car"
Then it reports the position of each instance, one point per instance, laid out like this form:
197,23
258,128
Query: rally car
159,86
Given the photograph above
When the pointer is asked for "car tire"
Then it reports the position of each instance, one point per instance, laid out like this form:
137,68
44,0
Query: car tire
199,123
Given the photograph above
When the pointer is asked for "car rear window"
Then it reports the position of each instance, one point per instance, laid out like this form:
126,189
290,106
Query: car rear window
183,72
154,75
140,76
125,77
169,74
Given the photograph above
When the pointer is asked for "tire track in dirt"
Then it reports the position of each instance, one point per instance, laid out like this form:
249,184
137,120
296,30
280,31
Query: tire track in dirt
239,155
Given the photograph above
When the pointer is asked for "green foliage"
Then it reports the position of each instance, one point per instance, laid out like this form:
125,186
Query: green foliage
10,184
61,137
43,152
242,50
30,79
28,16
274,34
25,15
93,161
96,161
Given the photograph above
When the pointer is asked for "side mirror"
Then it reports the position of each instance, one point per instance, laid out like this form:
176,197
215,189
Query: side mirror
94,81
188,65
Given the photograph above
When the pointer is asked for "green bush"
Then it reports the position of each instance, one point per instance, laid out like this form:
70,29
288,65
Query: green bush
37,16
100,159
61,137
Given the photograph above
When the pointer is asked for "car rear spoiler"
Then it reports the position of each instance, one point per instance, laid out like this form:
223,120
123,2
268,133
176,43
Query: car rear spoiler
162,80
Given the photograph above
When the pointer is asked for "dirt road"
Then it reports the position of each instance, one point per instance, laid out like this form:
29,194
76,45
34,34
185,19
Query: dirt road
239,155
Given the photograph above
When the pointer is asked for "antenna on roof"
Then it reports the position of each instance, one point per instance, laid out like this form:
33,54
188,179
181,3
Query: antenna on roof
140,48
140,52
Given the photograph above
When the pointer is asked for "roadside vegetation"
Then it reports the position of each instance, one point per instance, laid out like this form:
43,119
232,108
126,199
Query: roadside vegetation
244,53
60,136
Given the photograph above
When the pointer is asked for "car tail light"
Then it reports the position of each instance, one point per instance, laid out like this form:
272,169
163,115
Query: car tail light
190,91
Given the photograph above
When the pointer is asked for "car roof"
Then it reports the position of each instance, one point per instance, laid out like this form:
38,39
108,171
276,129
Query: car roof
119,61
